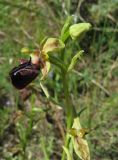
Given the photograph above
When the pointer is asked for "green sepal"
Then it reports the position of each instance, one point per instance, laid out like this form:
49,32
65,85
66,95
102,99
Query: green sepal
79,30
80,144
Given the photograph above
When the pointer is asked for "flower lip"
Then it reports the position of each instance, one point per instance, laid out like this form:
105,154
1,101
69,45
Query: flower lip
24,74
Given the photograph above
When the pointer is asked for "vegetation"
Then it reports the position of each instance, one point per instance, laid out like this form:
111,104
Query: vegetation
35,123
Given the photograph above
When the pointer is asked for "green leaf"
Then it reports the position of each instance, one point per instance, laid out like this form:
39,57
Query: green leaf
65,36
44,90
81,111
74,60
79,30
69,157
80,145
57,62
53,44
43,42
65,29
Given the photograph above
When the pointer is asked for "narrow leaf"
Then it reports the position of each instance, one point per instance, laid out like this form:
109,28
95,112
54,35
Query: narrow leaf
69,157
74,60
44,90
65,29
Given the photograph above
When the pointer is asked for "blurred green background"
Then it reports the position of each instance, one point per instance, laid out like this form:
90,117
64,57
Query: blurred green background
28,120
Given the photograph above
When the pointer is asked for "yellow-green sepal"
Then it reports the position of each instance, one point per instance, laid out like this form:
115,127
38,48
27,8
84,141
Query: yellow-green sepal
52,45
79,30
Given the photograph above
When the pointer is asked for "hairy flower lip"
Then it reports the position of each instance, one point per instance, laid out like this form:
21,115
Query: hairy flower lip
24,74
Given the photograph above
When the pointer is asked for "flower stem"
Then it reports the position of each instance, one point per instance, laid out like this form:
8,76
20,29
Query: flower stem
68,104
69,109
57,62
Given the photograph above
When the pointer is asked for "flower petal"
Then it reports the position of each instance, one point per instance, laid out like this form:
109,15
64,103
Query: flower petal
45,69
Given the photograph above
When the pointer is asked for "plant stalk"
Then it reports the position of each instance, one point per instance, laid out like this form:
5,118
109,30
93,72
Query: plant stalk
69,109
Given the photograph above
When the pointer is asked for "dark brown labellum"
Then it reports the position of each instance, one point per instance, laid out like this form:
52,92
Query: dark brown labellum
24,74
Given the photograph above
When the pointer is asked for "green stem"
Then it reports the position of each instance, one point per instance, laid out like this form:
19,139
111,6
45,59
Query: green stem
57,62
68,104
69,109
